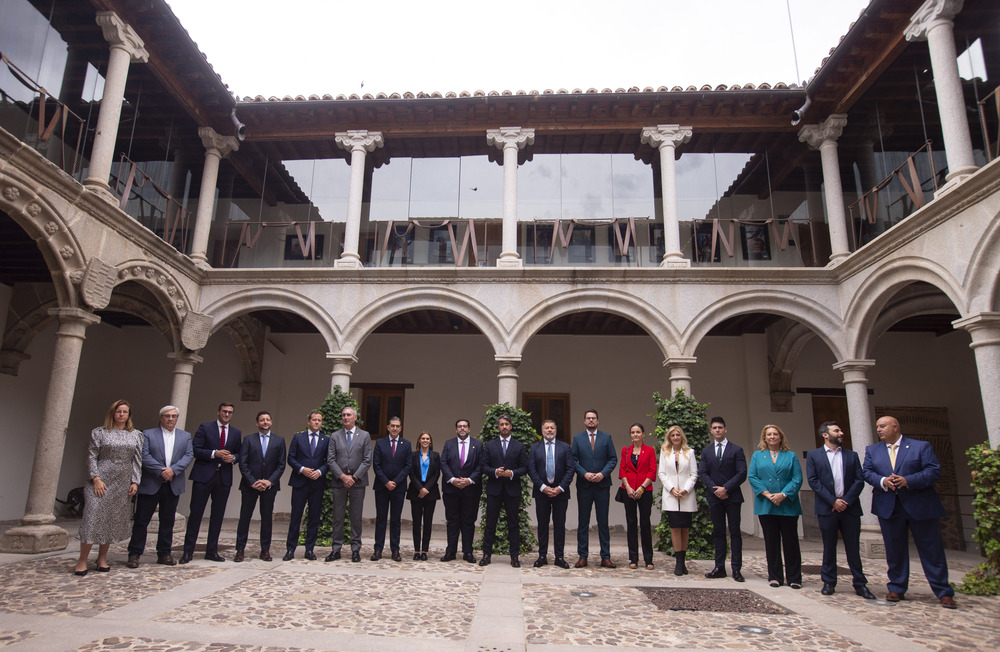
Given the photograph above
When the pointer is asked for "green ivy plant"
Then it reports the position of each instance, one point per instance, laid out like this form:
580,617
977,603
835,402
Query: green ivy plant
524,432
985,464
684,411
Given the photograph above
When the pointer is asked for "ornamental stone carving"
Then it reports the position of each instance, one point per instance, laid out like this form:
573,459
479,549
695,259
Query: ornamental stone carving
33,209
51,228
10,193
828,130
513,137
98,283
669,135
359,139
223,145
122,36
66,252
928,14
195,330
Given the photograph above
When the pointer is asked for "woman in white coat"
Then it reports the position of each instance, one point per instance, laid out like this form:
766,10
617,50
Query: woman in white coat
678,472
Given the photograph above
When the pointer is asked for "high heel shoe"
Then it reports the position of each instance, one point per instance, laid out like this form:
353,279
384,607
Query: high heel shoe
103,569
82,573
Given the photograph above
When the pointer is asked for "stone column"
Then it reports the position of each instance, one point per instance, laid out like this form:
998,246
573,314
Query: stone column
507,378
933,23
985,331
666,138
358,143
341,372
824,138
510,140
126,47
216,148
37,532
184,362
680,376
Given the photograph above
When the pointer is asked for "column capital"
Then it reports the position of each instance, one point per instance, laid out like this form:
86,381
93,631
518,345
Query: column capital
828,130
122,36
679,362
359,140
931,14
984,327
508,360
185,357
74,316
666,135
510,137
855,371
211,139
342,358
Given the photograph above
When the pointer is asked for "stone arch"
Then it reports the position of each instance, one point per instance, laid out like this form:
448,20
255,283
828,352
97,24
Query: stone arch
982,283
663,332
785,343
905,303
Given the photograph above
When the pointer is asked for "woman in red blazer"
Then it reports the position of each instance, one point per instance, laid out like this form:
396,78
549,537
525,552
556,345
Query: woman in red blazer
637,472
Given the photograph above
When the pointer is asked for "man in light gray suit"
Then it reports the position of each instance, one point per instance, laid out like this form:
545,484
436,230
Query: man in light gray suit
349,458
166,453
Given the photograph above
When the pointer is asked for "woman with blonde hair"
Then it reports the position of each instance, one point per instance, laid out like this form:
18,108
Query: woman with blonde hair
775,476
678,473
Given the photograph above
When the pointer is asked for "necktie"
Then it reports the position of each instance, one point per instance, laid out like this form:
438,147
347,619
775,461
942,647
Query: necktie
504,442
263,444
593,438
222,437
461,454
718,451
550,461
350,433
892,455
312,443
394,448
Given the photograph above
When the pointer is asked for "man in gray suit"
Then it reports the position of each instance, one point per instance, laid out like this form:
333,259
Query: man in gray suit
166,453
349,458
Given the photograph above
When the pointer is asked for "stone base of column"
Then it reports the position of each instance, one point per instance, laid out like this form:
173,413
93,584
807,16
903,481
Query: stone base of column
509,261
836,259
872,545
31,539
955,179
348,262
675,260
100,189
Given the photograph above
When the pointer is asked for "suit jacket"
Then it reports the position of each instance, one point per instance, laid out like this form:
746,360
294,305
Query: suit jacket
729,472
819,474
154,460
451,466
564,467
388,467
915,461
638,473
600,460
433,474
515,460
356,458
206,441
781,476
300,455
256,465
682,475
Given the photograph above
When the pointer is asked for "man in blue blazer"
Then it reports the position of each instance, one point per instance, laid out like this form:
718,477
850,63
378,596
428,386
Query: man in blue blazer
505,462
262,461
902,473
391,461
834,474
594,458
307,459
722,469
551,469
166,452
461,489
216,446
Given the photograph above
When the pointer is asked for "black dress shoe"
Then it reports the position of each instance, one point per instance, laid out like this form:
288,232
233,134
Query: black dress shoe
423,556
738,576
864,592
485,561
448,557
471,558
515,562
376,555
333,556
416,556
541,561
356,556
716,573
310,555
185,558
396,556
289,556
561,563
827,589
215,557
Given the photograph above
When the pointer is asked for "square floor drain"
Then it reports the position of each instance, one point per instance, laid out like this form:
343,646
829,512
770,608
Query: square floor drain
719,600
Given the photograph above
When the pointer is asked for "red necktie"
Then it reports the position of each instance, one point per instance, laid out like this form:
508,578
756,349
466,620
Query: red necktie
394,448
222,437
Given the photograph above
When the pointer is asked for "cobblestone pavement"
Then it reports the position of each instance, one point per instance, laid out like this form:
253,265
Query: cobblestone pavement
312,605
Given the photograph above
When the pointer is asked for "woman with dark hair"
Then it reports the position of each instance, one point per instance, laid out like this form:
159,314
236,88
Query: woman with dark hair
678,472
775,476
423,492
114,464
637,473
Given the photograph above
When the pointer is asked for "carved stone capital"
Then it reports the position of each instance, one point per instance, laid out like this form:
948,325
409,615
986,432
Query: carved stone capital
78,316
828,130
195,330
854,371
666,135
211,139
98,283
984,328
510,137
122,36
930,14
511,361
359,139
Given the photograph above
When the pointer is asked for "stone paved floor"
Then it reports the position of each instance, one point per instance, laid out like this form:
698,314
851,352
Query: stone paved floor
301,605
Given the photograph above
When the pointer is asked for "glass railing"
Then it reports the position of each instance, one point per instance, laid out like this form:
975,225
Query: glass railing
151,205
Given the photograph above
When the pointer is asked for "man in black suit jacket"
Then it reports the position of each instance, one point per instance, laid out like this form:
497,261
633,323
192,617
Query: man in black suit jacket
834,474
460,489
723,468
216,448
505,462
307,459
550,467
391,461
262,461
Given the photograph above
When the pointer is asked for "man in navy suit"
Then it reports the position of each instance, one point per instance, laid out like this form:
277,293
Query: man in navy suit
216,446
902,472
460,489
834,474
391,461
551,469
723,468
166,452
594,458
262,461
307,459
505,462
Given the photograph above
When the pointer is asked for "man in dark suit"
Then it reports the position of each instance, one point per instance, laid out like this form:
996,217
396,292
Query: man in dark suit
834,474
902,472
461,490
505,462
262,461
166,452
349,458
551,469
723,468
594,458
307,459
391,461
216,446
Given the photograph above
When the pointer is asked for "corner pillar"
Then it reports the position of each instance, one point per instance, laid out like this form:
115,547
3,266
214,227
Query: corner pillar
985,331
341,372
824,137
184,362
510,140
666,138
358,142
507,378
216,148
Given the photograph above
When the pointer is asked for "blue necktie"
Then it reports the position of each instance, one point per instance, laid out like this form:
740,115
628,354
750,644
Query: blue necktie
550,461
312,443
263,444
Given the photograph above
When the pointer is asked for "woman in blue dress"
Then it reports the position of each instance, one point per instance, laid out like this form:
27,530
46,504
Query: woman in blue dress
775,476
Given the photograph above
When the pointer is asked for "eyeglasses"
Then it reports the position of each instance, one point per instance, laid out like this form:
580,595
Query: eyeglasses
226,411
170,416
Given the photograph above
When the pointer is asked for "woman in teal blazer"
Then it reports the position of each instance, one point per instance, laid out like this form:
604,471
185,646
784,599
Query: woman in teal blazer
775,476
